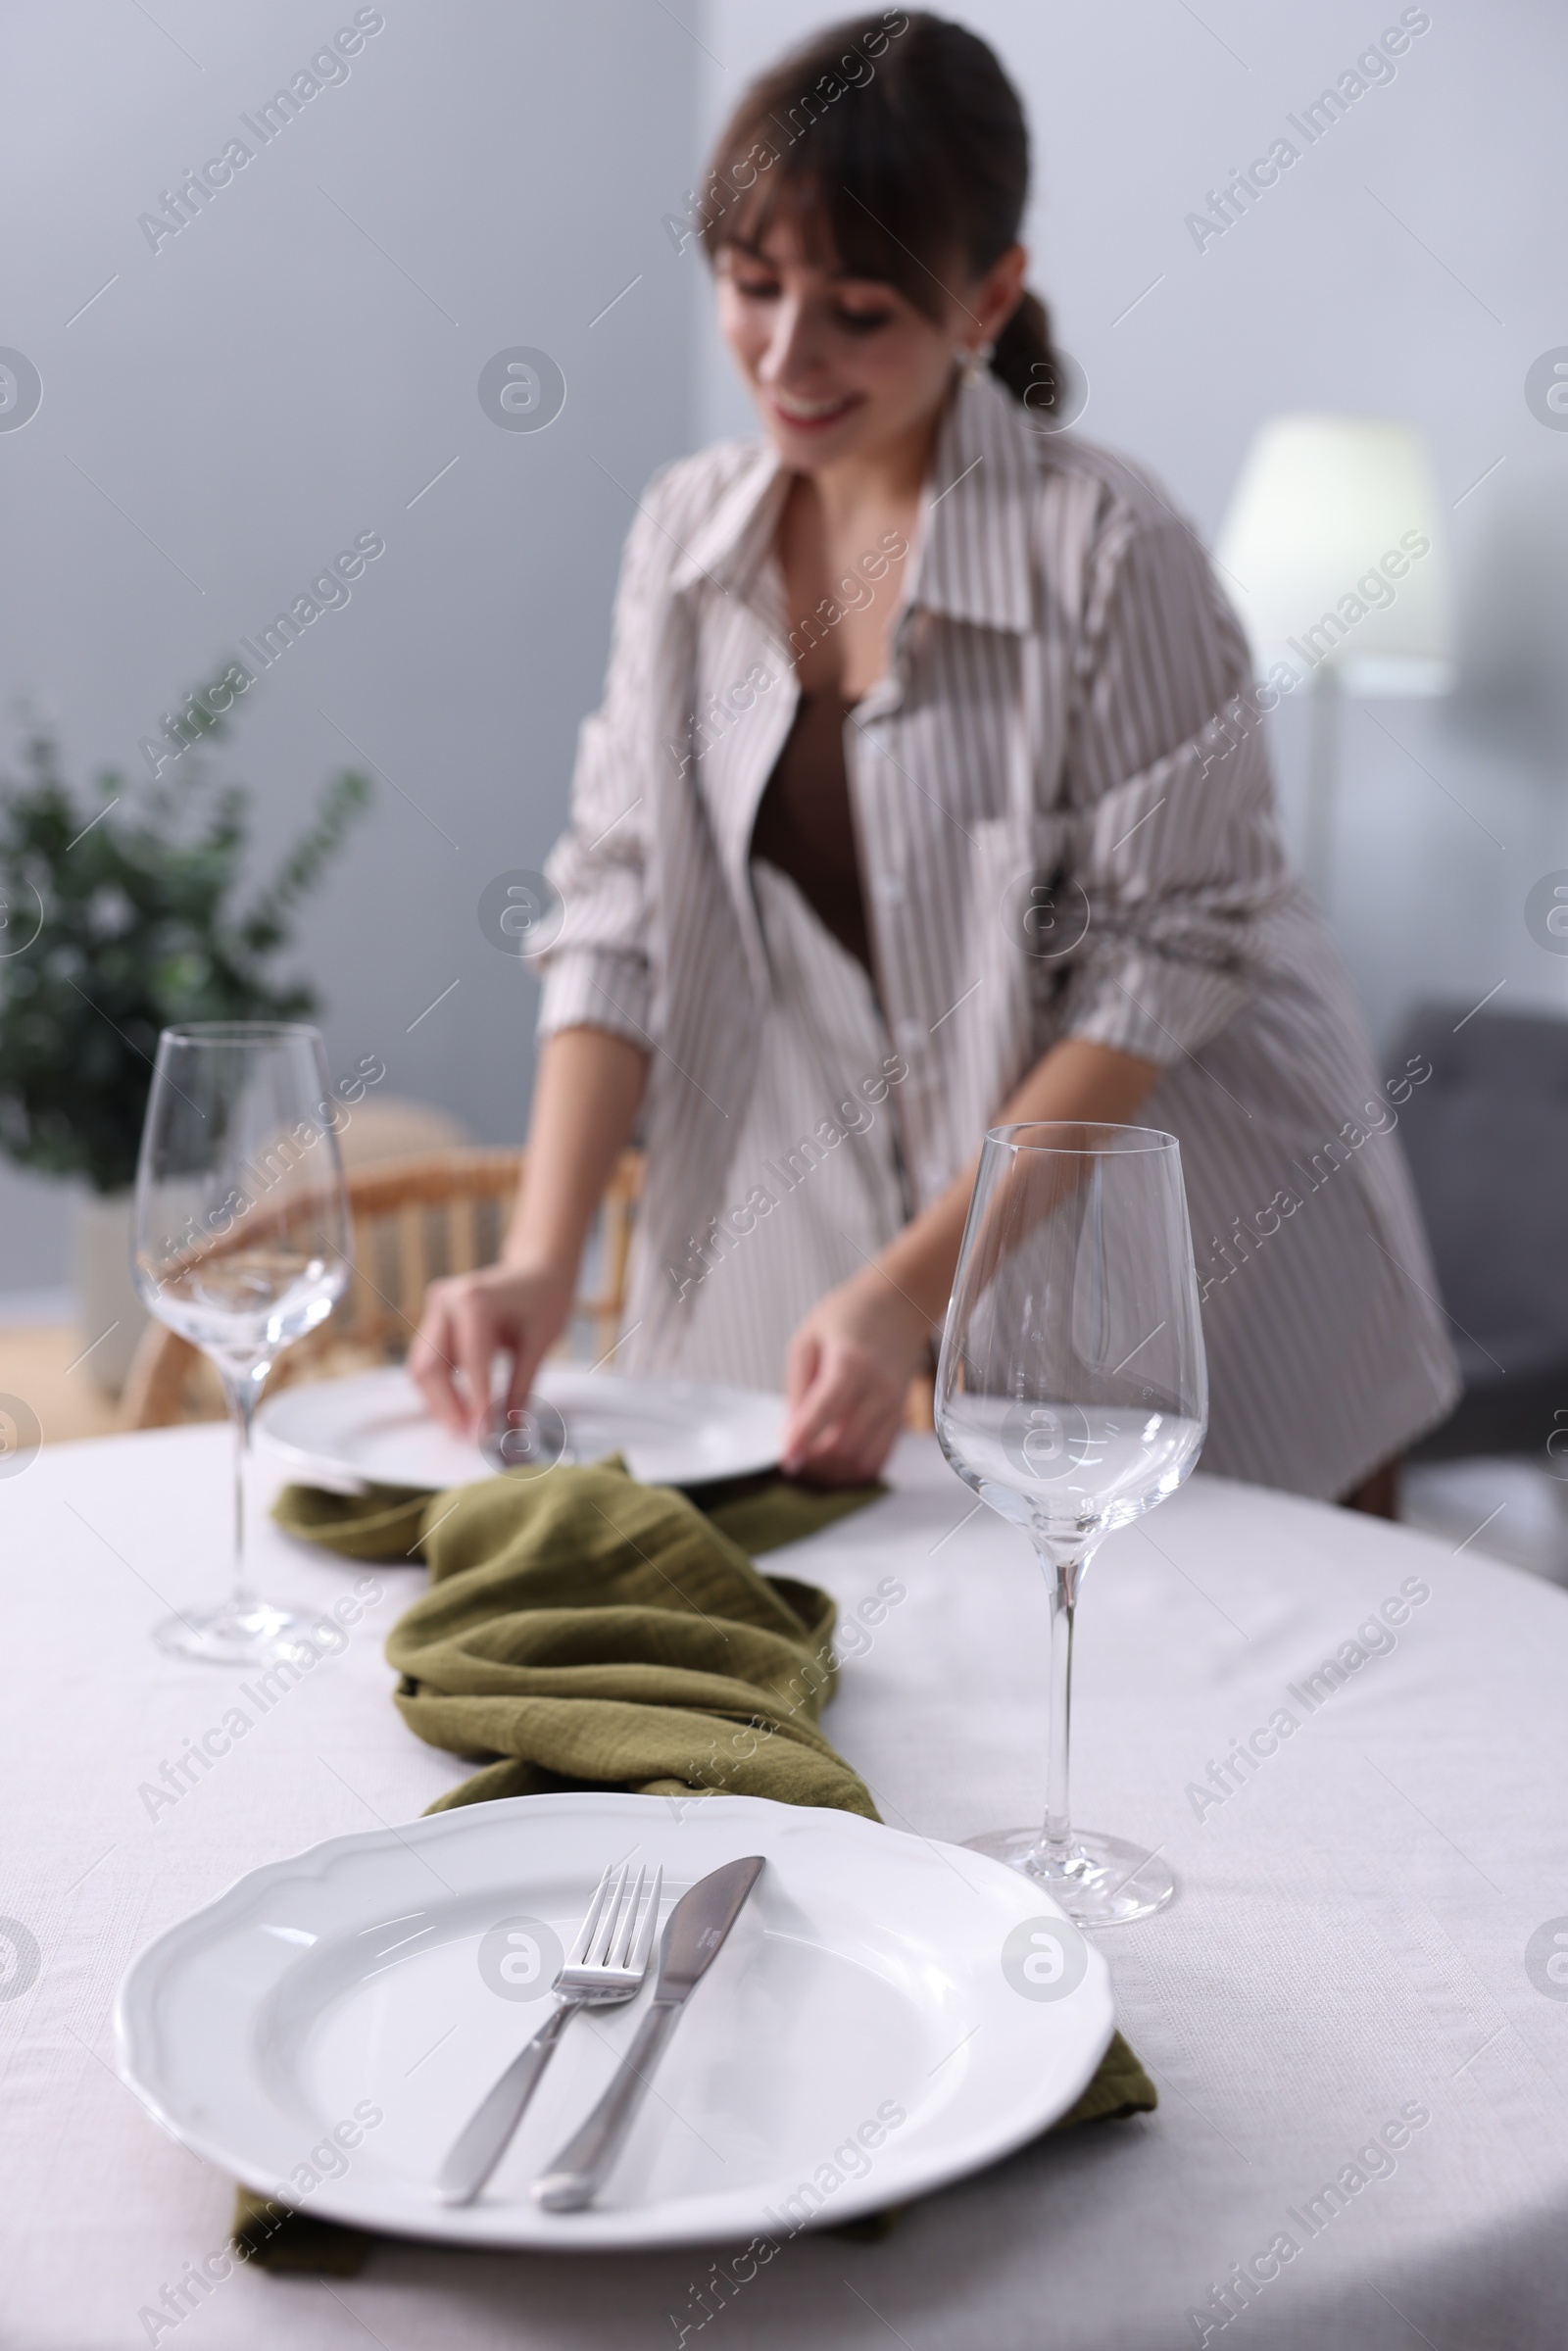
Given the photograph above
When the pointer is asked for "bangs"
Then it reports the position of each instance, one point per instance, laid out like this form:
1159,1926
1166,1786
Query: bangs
839,211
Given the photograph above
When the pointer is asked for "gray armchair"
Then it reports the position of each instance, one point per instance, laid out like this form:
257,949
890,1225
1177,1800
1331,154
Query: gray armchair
1487,1138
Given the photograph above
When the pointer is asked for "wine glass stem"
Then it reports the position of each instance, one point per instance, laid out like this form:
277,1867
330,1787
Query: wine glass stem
240,1391
1063,1577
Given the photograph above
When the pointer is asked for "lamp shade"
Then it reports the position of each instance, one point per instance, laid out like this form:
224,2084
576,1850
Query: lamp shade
1334,554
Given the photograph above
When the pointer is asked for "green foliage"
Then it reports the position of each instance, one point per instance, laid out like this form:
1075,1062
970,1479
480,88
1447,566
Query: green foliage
139,931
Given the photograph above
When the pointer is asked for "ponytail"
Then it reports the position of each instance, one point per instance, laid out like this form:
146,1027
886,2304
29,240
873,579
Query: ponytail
1025,359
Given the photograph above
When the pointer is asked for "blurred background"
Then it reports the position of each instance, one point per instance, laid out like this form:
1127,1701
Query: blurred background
222,407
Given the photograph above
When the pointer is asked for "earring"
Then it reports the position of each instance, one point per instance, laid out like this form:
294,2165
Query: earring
975,363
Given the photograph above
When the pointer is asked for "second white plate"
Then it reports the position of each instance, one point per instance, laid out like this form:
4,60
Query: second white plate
373,1428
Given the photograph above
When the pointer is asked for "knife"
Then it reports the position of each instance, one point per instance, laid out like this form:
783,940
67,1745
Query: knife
693,1938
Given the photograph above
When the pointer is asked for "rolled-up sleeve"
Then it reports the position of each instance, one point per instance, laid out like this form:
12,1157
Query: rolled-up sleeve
597,971
1177,850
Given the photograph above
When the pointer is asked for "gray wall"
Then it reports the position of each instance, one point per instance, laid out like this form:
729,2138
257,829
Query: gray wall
1319,299
278,377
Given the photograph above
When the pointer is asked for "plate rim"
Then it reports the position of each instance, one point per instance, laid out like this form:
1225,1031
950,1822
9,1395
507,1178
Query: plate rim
337,1474
654,2226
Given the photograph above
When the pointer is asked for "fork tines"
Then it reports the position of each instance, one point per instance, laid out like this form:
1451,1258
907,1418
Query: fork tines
618,1932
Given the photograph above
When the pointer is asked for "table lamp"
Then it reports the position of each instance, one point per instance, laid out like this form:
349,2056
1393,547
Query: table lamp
1334,554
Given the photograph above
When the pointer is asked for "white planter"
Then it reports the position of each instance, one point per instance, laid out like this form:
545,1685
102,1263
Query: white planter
109,1309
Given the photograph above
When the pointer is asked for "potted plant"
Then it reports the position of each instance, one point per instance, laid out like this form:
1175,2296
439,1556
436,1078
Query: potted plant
112,927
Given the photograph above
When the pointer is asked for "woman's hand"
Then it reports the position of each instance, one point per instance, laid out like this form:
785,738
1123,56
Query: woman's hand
848,1374
472,1318
585,1098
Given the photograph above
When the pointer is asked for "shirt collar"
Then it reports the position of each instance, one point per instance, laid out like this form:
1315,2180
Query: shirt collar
974,561
733,544
976,518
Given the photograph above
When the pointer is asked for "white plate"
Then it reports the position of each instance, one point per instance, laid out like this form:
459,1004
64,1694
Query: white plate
374,1429
858,2042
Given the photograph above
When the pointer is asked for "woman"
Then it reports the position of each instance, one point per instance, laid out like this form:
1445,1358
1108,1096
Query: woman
923,796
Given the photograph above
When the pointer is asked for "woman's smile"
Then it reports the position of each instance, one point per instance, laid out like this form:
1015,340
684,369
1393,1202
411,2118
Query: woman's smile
798,413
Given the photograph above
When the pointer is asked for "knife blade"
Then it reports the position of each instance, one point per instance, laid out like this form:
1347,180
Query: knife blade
693,1936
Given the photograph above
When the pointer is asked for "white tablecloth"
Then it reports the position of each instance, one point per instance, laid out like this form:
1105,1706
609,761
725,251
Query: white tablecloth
1349,1942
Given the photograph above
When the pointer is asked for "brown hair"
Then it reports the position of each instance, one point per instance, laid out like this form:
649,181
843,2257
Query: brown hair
895,143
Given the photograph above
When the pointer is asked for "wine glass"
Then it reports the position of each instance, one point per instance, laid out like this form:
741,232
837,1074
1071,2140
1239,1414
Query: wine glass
1072,1396
242,1244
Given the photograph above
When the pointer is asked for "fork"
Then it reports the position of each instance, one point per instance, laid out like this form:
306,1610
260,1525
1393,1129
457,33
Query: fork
606,1965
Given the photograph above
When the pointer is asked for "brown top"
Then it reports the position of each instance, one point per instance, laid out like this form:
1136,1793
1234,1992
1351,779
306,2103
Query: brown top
803,824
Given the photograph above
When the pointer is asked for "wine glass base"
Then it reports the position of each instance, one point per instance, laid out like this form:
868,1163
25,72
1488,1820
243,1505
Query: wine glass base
1099,1880
252,1634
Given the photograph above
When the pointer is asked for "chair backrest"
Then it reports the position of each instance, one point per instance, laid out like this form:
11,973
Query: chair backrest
415,1220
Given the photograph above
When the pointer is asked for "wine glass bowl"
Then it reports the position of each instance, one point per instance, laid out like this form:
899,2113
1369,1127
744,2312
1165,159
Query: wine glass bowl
1053,1468
243,1306
243,1244
1072,1397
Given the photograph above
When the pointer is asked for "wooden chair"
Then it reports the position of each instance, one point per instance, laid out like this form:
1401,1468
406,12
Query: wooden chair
415,1220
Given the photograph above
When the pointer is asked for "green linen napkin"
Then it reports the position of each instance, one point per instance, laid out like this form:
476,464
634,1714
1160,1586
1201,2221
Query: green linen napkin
594,1633
585,1631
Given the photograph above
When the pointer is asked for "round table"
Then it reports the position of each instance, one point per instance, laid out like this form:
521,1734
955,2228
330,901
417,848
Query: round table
1350,1741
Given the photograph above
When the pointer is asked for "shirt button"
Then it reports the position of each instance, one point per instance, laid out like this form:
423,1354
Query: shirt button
933,1178
909,1038
890,889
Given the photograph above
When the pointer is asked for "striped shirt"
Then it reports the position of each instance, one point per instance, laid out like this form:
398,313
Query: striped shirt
1060,835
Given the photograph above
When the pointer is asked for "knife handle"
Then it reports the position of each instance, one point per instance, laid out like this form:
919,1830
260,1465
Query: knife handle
584,2163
